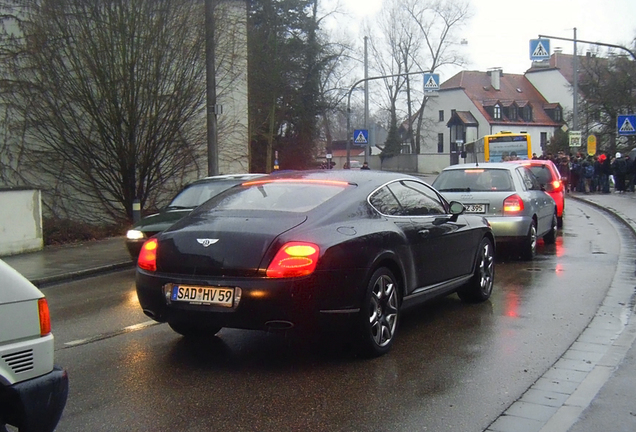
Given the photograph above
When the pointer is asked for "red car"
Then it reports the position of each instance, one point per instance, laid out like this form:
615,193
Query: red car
550,178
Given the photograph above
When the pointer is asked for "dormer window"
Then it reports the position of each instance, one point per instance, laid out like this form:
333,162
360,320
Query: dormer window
514,112
527,113
558,114
496,112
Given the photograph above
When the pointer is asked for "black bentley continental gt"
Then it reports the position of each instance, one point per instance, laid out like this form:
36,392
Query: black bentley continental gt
309,249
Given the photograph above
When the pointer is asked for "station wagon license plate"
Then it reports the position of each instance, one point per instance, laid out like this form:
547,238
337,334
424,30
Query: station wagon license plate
475,208
216,296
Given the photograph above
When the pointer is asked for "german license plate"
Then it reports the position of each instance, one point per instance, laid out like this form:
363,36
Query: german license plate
203,295
475,208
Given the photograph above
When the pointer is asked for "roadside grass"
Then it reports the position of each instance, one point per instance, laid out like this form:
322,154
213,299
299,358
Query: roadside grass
63,231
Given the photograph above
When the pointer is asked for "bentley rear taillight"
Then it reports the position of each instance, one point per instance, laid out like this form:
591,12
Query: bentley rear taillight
294,259
148,256
513,204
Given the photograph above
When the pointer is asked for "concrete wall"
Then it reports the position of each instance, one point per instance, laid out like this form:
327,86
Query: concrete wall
231,52
20,221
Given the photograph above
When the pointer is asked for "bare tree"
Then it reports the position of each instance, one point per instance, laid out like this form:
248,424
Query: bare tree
438,22
393,47
608,85
107,101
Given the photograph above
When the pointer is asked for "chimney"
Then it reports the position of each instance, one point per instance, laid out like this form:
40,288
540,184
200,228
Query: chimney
495,78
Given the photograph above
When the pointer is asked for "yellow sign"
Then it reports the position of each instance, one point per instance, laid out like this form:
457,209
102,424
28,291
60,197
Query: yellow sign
591,145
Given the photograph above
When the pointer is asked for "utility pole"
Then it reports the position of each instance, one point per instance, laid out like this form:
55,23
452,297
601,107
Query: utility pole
592,43
366,99
210,75
575,68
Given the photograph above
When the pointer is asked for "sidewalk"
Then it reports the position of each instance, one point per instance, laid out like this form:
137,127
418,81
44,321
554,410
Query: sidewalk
591,388
61,263
613,407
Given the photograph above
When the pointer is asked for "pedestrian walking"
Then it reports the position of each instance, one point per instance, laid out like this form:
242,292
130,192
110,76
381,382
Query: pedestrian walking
619,170
587,171
564,170
575,173
606,172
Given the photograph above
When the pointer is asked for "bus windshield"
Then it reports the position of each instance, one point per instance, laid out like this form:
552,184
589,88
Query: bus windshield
507,146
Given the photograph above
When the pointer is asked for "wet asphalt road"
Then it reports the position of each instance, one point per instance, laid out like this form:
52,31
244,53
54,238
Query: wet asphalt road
454,367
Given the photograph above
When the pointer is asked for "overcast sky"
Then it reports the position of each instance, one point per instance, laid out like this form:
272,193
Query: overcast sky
498,35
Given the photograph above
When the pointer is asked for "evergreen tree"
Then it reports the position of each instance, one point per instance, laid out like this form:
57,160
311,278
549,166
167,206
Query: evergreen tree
286,61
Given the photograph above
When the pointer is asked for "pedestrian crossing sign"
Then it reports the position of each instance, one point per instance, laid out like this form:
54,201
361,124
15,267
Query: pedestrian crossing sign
626,124
539,49
431,82
361,137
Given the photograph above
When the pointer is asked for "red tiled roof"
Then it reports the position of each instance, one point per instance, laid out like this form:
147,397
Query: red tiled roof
513,87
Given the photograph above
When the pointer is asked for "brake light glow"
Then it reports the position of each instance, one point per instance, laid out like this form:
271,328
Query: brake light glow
556,184
294,259
148,256
291,180
473,171
45,317
513,204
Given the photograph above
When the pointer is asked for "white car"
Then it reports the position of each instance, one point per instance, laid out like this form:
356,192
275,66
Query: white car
33,390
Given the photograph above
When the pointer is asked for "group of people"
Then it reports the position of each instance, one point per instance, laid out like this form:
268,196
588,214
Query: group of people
589,174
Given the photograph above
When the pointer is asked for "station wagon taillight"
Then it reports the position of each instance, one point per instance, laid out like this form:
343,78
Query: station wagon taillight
557,185
513,204
148,256
294,259
45,317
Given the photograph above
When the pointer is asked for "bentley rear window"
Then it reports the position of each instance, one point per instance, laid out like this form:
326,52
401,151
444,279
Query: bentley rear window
288,196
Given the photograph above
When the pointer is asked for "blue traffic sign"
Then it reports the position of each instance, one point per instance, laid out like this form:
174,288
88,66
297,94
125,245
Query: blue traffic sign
431,82
361,137
626,124
539,49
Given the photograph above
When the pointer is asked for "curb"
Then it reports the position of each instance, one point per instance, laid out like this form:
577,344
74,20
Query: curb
610,211
80,274
557,400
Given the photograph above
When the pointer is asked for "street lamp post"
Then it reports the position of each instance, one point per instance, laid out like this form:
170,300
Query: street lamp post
592,43
348,163
575,77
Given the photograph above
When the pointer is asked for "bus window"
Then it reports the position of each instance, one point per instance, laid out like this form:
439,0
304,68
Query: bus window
507,146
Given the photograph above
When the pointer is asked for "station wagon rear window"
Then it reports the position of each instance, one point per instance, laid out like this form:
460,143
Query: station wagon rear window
474,180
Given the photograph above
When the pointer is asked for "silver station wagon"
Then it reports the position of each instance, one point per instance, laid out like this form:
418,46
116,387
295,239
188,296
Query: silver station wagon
509,196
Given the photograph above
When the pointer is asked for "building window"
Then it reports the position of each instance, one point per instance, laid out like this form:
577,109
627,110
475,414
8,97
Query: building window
497,112
558,115
440,143
527,113
513,112
544,140
441,115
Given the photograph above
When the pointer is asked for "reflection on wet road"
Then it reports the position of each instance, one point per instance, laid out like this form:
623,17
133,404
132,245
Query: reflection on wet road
453,367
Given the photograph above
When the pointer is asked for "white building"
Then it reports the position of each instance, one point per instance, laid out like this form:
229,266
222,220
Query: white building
472,104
